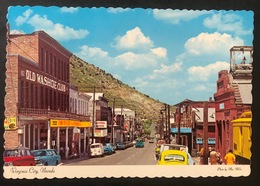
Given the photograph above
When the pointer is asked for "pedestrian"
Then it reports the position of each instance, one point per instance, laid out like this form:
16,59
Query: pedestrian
201,155
213,159
230,158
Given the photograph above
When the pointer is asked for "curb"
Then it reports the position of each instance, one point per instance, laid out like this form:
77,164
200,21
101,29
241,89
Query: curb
73,160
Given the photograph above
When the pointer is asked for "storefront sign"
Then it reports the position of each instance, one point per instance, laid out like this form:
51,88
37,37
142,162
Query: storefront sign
182,130
32,76
100,132
69,123
10,123
101,124
211,141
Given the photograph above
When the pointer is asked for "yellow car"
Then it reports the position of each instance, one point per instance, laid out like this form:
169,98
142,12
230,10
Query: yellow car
173,157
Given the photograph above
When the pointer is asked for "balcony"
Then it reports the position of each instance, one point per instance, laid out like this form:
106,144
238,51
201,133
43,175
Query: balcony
51,114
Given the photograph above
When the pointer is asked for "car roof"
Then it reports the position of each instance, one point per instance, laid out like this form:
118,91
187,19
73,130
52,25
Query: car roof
19,148
41,150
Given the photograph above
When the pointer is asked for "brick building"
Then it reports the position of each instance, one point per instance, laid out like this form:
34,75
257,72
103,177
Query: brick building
37,92
190,116
233,95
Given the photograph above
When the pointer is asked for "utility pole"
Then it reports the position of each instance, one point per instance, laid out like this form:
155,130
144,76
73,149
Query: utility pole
113,117
179,124
93,115
205,133
169,125
166,123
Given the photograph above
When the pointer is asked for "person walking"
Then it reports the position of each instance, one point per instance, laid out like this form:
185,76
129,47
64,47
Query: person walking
230,158
213,157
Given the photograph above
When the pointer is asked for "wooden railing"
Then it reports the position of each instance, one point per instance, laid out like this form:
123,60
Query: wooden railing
52,114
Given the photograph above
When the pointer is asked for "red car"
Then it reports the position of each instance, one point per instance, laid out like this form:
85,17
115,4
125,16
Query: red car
19,156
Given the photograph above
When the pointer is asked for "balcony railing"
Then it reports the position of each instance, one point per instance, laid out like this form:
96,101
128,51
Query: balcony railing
52,114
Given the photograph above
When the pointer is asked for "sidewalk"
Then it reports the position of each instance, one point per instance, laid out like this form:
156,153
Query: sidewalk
64,162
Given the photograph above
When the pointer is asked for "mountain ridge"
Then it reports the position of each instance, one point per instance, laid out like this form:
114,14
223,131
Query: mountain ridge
86,77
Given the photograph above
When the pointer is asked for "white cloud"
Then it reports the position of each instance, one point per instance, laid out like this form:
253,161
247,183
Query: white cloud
134,40
130,60
69,9
176,16
165,69
91,53
216,43
56,30
161,52
22,19
117,10
203,73
226,23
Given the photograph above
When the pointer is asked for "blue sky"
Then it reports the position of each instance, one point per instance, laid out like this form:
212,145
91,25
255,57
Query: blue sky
169,55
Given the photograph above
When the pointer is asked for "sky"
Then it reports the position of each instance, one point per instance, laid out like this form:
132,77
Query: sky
170,55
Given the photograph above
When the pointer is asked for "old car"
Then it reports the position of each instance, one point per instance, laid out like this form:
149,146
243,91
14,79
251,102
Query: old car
173,157
108,150
110,145
177,147
46,157
18,156
120,146
157,148
96,149
139,144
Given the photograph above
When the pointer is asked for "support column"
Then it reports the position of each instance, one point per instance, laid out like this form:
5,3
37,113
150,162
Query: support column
66,144
29,136
58,140
84,143
33,136
79,141
48,135
24,133
38,136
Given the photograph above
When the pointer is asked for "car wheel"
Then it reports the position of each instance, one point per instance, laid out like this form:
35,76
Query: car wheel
57,163
45,164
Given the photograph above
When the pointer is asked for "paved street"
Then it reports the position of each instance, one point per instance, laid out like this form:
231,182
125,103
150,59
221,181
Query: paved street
130,156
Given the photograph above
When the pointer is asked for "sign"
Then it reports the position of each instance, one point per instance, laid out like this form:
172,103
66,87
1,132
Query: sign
69,123
38,78
10,123
182,130
100,132
211,141
101,124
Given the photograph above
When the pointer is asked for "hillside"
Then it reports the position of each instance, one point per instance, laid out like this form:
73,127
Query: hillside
85,76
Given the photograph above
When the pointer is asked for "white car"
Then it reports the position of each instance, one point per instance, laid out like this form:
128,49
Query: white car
96,149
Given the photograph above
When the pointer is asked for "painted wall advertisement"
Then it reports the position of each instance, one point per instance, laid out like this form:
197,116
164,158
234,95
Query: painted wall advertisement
10,123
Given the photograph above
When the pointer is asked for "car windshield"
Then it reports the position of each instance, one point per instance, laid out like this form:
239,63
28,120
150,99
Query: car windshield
94,146
174,157
16,152
39,153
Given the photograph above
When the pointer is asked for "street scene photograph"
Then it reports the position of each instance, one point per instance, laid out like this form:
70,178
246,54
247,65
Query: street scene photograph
128,87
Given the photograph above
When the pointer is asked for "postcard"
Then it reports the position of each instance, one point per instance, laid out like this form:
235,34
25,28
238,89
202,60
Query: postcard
111,92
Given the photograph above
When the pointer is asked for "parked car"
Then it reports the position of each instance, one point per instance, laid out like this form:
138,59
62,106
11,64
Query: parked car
173,157
139,144
112,146
120,146
19,156
108,150
96,149
46,157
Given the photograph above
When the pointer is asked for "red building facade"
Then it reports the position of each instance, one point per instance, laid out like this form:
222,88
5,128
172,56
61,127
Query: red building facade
37,92
233,96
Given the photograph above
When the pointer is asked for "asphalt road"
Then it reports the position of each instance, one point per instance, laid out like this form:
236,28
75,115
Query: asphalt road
129,156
